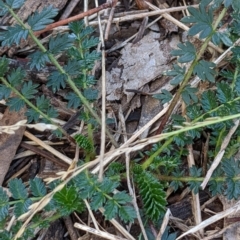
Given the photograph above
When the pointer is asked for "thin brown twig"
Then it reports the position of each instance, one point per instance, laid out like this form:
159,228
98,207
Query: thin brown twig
76,17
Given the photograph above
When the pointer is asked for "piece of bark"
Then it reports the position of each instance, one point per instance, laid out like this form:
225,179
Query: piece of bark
9,142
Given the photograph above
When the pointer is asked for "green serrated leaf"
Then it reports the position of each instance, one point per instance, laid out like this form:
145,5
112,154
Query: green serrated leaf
37,187
29,90
108,186
205,71
195,185
32,115
73,100
187,52
89,43
4,205
72,67
189,94
83,142
178,72
77,27
17,188
164,97
97,201
5,235
152,194
39,20
209,101
225,38
15,4
13,35
177,184
67,200
86,31
127,213
203,19
22,207
42,103
233,189
216,186
90,94
3,66
111,209
122,197
4,92
231,167
224,92
15,104
16,77
3,9
59,43
56,80
38,60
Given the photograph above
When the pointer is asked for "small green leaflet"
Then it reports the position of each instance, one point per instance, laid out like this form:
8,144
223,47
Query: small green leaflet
39,20
122,197
3,8
98,200
4,92
195,185
202,18
29,90
178,74
67,200
90,94
187,52
38,60
16,77
59,43
209,101
204,70
56,80
17,188
222,36
15,104
73,100
127,213
164,97
3,66
15,4
224,92
37,187
4,205
111,209
189,94
13,35
22,207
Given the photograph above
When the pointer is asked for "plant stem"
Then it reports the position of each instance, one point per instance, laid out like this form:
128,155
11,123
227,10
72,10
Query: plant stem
147,163
36,109
61,70
188,75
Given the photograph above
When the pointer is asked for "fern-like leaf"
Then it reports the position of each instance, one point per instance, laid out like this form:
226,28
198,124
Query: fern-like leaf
152,193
